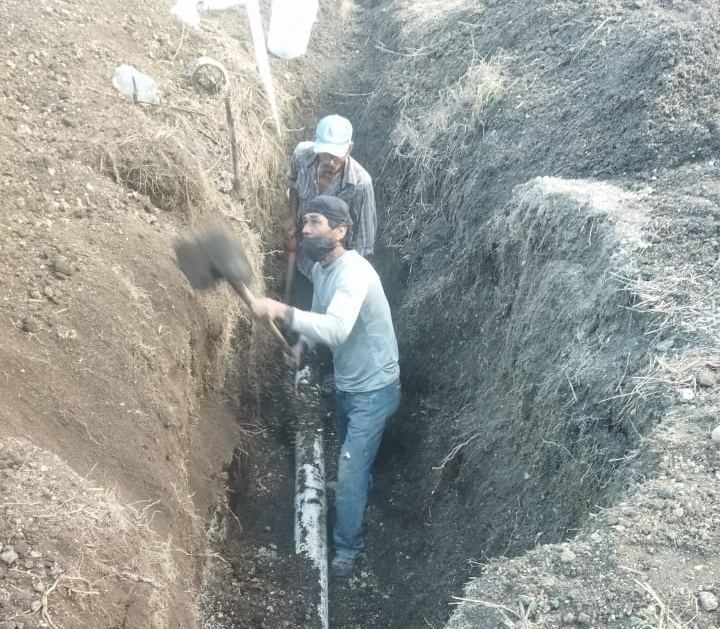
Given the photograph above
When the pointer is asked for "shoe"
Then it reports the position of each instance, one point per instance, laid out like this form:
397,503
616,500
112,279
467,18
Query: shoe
327,386
341,566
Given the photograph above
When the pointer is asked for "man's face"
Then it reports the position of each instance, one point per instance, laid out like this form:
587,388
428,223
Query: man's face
315,224
331,164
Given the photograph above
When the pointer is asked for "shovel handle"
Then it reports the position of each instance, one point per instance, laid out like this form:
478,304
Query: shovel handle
289,274
247,297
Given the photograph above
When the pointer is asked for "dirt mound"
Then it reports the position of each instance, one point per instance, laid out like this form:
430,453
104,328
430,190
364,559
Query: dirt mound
74,552
547,327
109,361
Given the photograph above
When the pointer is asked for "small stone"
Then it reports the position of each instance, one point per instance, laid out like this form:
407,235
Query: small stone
34,293
708,601
666,491
612,520
49,292
583,618
679,512
706,378
35,606
8,555
567,556
568,618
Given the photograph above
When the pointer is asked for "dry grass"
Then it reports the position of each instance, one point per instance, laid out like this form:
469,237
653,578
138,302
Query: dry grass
511,618
687,302
432,139
659,615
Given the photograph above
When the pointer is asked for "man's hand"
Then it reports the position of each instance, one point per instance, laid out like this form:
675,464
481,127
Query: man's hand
289,228
270,310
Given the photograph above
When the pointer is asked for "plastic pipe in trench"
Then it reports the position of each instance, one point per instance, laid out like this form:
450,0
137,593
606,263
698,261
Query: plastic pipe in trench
310,492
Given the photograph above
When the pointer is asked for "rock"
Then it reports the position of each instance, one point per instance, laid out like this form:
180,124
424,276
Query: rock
567,556
612,520
8,555
686,395
29,324
666,491
706,378
708,601
583,619
568,618
715,436
679,512
35,606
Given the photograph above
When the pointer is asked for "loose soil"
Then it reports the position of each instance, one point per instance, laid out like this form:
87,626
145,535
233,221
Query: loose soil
548,199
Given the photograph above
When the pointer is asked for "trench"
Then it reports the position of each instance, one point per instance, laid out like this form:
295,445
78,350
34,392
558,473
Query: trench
514,343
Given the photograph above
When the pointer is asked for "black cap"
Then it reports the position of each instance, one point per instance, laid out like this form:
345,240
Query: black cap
335,209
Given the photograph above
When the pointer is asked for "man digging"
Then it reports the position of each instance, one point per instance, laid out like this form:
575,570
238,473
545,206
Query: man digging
325,167
350,314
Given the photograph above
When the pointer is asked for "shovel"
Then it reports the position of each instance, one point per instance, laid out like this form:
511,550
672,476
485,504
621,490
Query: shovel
214,254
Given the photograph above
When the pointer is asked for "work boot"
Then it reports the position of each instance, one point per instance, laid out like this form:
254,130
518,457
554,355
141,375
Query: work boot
341,566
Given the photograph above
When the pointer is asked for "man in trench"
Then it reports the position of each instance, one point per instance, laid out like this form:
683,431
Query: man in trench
351,315
325,167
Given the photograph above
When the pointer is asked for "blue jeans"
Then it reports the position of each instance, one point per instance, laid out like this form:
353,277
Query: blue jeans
361,419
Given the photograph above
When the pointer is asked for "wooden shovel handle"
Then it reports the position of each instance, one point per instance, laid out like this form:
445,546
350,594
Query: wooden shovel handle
247,297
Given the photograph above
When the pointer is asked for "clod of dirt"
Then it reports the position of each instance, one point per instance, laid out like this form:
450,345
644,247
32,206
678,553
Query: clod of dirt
29,324
8,555
62,266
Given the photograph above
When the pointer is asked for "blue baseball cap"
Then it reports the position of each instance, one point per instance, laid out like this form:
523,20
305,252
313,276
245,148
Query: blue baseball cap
333,135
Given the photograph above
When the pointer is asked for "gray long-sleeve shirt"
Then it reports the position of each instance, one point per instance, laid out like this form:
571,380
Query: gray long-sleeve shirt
351,315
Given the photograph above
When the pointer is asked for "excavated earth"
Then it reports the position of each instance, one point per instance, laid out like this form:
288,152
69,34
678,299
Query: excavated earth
548,192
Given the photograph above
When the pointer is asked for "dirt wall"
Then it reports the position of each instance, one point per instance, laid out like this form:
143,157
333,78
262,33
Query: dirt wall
112,368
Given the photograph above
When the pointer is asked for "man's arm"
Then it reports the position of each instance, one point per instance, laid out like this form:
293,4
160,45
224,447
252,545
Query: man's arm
330,328
366,220
334,326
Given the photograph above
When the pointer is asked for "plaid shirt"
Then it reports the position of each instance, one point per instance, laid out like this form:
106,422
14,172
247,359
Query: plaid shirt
353,185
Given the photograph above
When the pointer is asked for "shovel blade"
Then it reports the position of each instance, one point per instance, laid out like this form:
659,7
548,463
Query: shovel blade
227,256
195,264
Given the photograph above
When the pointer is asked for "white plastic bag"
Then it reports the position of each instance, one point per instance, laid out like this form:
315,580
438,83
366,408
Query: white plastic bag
186,10
291,22
128,81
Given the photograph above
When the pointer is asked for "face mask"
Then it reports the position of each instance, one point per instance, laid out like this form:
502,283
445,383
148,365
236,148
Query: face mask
317,247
